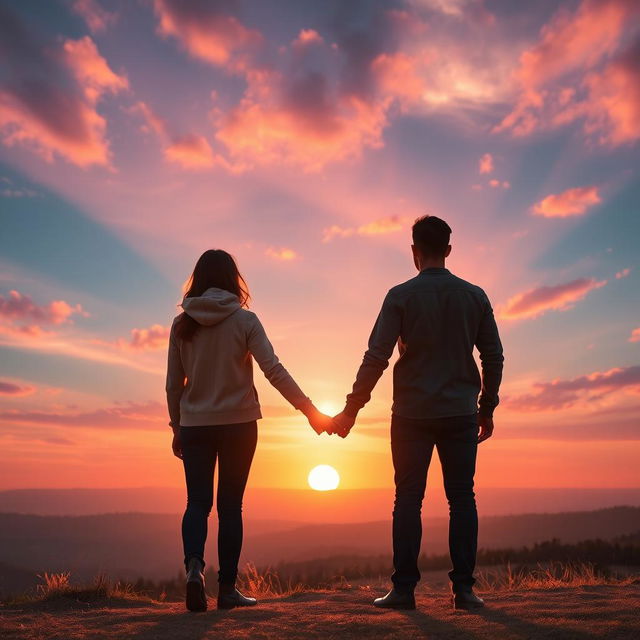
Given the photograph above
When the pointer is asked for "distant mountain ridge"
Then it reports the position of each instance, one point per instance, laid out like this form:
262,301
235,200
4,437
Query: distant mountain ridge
133,545
305,505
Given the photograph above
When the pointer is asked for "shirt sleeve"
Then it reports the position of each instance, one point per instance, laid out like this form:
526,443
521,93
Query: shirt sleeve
382,341
175,379
491,359
262,351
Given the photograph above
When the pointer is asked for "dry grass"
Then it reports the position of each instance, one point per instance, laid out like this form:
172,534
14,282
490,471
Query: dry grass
549,576
57,586
267,584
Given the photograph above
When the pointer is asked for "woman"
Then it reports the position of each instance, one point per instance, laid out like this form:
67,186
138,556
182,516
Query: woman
213,409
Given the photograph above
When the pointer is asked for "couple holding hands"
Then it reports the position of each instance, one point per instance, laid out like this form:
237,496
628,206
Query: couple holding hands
440,400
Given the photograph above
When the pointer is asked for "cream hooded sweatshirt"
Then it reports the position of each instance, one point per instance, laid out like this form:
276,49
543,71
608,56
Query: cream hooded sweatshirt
210,378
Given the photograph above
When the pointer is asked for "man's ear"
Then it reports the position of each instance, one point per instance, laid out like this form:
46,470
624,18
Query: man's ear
416,256
448,251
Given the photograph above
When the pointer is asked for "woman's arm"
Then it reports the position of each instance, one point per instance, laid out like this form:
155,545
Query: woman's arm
262,351
175,380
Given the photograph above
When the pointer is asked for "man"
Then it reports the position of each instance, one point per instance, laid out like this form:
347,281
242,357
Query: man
436,318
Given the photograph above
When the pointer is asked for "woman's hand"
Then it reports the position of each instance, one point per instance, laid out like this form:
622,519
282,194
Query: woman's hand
176,445
319,421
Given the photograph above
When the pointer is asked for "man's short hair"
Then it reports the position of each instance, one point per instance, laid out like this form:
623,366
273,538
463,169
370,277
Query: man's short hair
431,235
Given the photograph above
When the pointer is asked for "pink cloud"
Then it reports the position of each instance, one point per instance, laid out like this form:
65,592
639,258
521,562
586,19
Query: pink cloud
48,97
398,77
15,390
152,338
17,306
125,415
155,337
623,274
572,202
494,183
563,394
283,254
321,100
535,302
377,227
298,121
22,323
190,151
485,164
207,32
96,17
91,70
295,113
612,112
307,37
567,75
635,335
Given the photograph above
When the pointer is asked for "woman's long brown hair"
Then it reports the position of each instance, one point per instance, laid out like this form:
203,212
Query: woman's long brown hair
215,268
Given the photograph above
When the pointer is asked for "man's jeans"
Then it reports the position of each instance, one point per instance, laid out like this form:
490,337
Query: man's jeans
233,446
412,442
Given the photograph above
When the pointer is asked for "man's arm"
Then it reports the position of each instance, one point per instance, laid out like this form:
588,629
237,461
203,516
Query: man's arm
382,341
491,358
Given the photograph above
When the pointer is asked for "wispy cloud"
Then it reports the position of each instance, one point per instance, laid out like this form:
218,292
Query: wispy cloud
208,32
375,228
485,164
579,70
635,335
24,324
561,297
283,254
49,96
563,394
20,308
123,415
152,338
623,274
190,151
572,202
15,389
94,14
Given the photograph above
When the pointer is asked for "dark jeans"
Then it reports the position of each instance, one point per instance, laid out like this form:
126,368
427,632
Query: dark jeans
233,445
412,442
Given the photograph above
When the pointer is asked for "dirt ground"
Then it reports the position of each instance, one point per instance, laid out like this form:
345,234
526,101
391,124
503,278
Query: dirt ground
586,612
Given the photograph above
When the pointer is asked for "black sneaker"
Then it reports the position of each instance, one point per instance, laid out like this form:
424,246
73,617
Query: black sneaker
396,600
196,597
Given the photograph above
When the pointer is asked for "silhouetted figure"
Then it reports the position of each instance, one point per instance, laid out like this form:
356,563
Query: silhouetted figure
436,319
214,408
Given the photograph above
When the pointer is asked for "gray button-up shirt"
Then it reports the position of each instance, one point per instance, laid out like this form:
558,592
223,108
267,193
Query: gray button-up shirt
436,318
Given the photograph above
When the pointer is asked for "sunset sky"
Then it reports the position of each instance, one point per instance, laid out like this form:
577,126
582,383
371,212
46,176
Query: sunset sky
304,137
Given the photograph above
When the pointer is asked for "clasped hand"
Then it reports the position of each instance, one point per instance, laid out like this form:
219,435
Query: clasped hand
340,424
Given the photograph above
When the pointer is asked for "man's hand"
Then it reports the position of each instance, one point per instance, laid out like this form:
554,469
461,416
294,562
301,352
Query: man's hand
486,428
342,424
319,421
176,445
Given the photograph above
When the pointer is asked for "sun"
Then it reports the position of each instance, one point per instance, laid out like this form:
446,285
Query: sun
323,478
329,408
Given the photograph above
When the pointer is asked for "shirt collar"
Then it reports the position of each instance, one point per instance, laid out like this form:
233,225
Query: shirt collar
434,271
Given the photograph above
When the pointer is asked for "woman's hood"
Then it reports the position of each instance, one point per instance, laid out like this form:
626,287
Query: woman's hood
212,307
